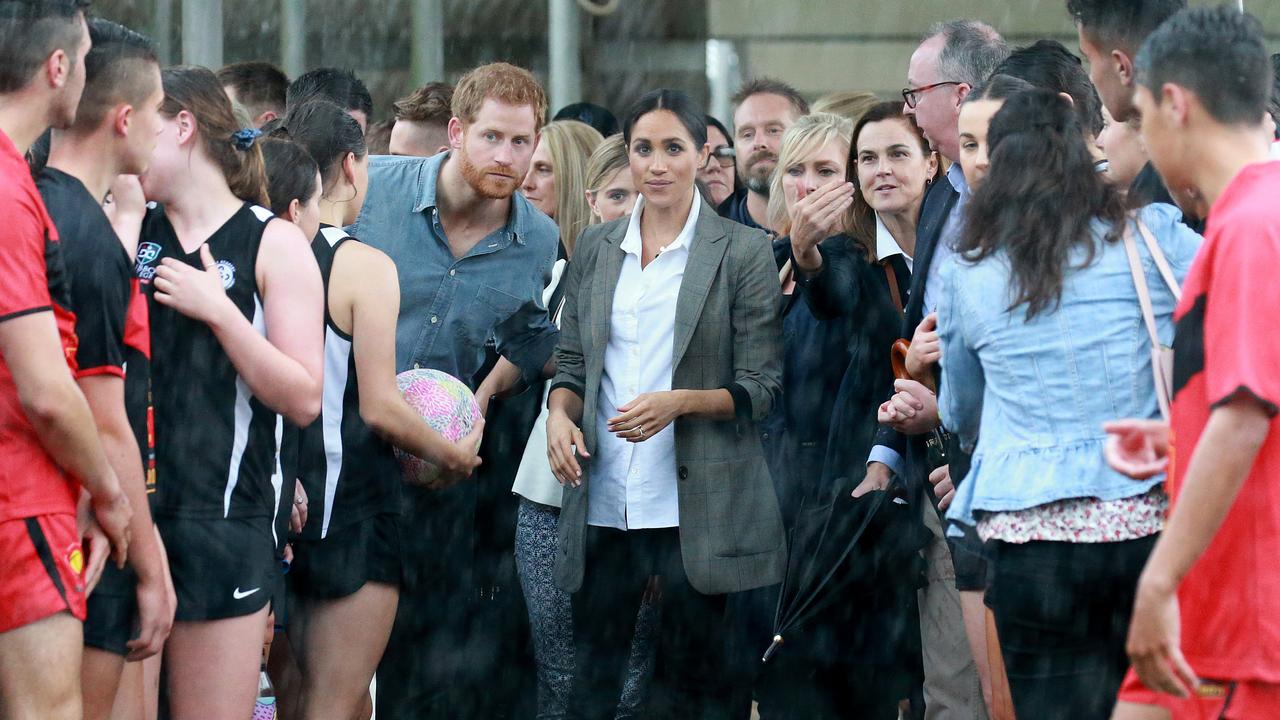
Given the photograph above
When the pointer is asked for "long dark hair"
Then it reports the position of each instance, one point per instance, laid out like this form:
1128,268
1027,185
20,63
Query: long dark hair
196,90
860,220
1039,198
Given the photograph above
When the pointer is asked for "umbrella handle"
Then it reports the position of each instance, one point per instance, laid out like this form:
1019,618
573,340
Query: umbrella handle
773,648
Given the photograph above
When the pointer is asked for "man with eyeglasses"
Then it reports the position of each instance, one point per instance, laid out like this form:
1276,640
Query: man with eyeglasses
763,110
953,58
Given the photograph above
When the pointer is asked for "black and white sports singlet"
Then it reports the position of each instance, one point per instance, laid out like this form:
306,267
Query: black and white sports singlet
215,443
348,471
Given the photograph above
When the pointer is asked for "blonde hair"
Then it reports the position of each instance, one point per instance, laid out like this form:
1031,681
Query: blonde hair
850,105
807,136
609,157
570,144
500,81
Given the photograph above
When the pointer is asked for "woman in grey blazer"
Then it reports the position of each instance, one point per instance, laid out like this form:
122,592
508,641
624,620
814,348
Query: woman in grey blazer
669,355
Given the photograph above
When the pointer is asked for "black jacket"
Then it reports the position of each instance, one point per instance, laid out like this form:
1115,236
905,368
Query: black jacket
938,202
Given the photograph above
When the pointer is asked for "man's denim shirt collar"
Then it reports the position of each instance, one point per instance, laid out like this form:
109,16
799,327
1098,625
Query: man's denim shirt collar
426,199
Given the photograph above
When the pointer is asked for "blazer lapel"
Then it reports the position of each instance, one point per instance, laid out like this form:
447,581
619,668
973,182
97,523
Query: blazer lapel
700,271
933,217
608,268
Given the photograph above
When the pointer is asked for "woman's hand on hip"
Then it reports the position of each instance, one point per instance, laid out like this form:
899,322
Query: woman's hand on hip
564,444
647,415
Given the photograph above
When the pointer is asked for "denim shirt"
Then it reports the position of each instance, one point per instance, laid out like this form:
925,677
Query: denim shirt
450,307
1040,390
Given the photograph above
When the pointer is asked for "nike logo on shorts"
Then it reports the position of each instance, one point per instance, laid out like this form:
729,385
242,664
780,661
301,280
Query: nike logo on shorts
242,595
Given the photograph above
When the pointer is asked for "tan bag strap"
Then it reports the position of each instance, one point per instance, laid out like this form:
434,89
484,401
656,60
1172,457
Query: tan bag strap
1148,317
1162,263
1140,283
894,293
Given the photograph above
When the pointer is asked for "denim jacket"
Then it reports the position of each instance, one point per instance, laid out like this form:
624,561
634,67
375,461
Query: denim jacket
450,307
1040,390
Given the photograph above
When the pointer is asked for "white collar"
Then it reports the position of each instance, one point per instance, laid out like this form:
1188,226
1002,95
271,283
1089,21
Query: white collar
886,246
631,243
955,176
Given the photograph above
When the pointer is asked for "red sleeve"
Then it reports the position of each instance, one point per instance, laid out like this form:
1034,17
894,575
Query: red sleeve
22,248
1242,347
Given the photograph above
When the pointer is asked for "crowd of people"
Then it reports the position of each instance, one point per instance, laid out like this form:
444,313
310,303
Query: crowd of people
953,406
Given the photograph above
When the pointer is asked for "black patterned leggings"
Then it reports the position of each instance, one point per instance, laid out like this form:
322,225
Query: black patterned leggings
551,619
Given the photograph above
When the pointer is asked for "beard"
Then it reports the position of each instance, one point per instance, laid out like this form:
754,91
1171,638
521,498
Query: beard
756,176
485,184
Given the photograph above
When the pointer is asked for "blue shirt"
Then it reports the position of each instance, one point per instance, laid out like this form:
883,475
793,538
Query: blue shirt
948,239
449,307
1041,389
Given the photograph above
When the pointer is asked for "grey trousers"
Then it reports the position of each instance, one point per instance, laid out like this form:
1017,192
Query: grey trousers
551,620
952,690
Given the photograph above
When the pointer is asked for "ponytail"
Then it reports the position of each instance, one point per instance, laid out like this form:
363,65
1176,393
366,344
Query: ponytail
232,147
326,131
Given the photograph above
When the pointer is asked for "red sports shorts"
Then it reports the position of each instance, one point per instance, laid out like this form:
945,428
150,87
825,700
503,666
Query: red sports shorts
1213,700
41,570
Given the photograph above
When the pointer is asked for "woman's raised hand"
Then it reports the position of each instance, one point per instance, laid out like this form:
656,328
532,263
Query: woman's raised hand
816,217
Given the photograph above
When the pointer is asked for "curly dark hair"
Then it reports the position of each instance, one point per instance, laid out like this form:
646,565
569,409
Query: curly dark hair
1039,199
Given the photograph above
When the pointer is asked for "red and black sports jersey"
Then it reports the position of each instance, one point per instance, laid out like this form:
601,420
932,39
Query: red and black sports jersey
34,281
99,269
216,444
348,470
137,381
111,314
1226,346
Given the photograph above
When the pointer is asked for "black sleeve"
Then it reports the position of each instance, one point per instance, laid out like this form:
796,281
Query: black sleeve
100,300
833,291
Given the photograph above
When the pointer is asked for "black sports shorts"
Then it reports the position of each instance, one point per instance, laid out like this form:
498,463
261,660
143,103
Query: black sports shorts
221,568
340,564
112,619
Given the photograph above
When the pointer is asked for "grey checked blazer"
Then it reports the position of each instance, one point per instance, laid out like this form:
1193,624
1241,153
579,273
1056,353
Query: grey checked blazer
728,335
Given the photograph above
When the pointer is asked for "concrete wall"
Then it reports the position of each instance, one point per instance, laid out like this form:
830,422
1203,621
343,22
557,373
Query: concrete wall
818,45
826,45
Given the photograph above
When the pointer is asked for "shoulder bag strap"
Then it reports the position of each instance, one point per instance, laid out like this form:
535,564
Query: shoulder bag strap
1162,263
892,277
1158,354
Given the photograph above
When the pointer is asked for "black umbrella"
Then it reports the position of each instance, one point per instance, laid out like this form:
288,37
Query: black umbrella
841,547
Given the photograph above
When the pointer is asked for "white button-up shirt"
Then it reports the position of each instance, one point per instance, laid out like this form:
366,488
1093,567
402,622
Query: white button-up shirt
633,485
887,247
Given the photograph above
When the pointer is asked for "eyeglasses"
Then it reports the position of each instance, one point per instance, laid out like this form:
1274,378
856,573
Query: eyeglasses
724,154
912,95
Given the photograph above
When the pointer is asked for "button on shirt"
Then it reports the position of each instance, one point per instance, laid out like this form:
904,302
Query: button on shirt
634,484
449,307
